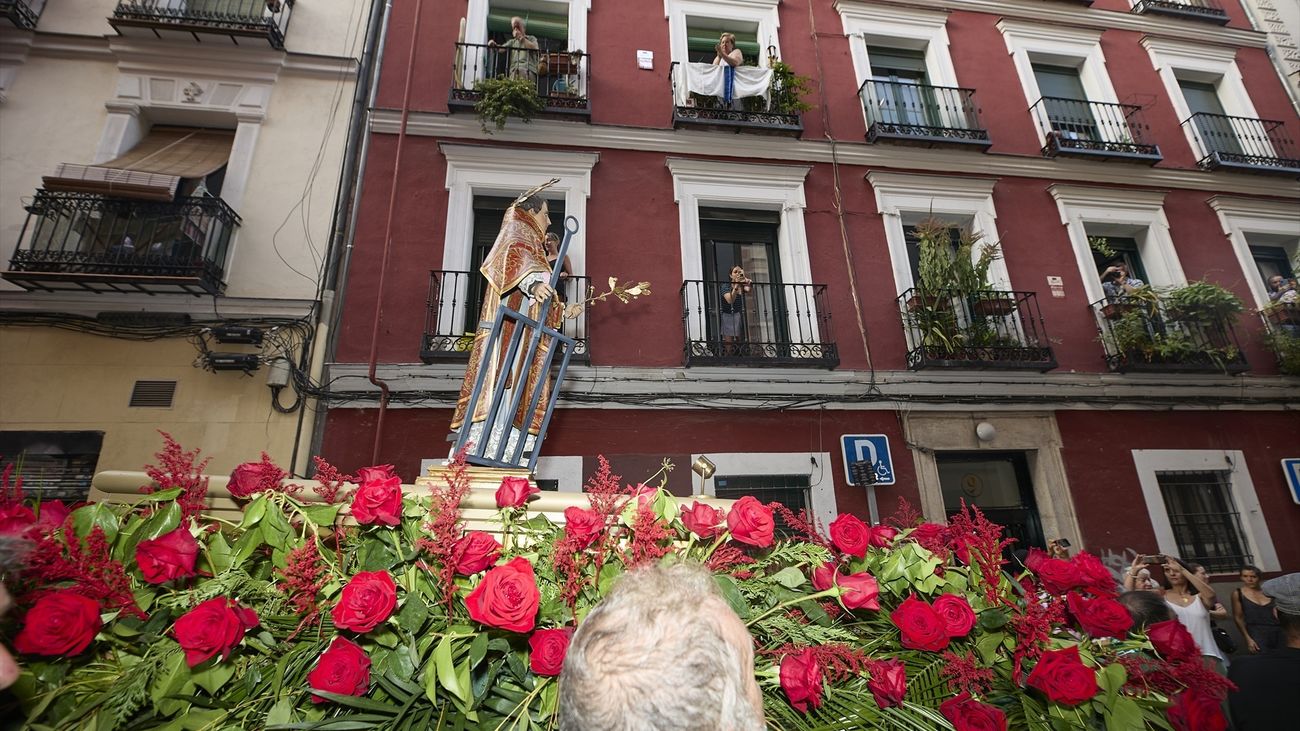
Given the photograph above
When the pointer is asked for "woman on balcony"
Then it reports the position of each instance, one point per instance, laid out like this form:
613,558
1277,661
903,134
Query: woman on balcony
731,57
732,311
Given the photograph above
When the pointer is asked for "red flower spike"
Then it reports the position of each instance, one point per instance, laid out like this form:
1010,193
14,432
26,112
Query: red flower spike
179,468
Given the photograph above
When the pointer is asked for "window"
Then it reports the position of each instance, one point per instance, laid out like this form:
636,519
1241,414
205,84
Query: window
488,213
1271,261
1125,251
702,38
1207,91
1271,227
694,27
1203,507
1206,524
910,224
795,479
745,239
998,483
558,25
789,490
53,465
1064,101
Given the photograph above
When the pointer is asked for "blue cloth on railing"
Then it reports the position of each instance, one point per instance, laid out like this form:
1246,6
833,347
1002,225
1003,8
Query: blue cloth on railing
728,83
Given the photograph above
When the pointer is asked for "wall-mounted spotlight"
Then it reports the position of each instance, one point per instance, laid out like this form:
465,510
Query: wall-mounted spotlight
704,467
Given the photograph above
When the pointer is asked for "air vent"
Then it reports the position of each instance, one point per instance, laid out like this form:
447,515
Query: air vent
153,394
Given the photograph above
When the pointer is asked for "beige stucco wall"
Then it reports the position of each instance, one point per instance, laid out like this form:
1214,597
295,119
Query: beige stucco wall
63,381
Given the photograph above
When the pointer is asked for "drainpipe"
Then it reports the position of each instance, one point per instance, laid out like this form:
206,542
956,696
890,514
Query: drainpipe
388,240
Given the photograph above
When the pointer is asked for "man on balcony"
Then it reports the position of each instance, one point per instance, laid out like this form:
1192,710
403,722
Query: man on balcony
521,64
1116,282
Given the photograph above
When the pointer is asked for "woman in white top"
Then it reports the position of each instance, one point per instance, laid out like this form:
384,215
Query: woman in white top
1192,600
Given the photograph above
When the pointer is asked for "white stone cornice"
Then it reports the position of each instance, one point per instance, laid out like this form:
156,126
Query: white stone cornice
1050,32
465,128
1129,199
1187,50
148,56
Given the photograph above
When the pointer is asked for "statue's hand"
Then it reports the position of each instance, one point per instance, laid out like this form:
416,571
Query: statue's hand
541,292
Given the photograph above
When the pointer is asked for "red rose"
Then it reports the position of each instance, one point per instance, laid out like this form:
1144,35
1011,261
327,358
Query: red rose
850,535
52,515
1063,677
1056,575
956,613
213,627
1096,577
882,536
250,478
507,597
967,714
583,526
1172,640
169,556
823,577
371,474
366,600
801,679
514,492
920,626
751,522
1100,617
888,682
60,623
859,591
549,646
1193,711
474,552
343,669
16,519
378,501
703,520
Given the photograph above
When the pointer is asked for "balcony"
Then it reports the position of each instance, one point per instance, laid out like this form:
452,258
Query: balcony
92,243
239,21
774,325
453,308
900,111
1097,130
987,330
1206,10
757,114
1240,143
561,78
1282,335
22,13
1145,335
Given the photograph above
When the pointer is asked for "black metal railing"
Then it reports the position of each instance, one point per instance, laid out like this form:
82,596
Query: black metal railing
754,114
990,329
1208,10
1242,143
22,13
904,111
1093,129
267,19
561,78
771,325
1142,334
1282,335
82,241
455,304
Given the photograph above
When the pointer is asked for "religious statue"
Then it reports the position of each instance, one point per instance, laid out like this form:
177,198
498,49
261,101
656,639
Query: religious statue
518,276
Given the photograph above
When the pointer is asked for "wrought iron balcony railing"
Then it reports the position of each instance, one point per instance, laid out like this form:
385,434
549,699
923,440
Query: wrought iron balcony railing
993,330
22,13
748,114
236,19
456,301
1076,127
1241,143
561,78
771,325
1282,335
906,112
1145,335
1207,10
88,242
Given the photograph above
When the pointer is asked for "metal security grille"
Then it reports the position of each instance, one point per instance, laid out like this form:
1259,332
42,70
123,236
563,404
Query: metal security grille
53,465
789,490
153,394
1204,519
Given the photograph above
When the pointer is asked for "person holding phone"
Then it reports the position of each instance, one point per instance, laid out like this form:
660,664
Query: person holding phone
1192,600
732,310
1116,282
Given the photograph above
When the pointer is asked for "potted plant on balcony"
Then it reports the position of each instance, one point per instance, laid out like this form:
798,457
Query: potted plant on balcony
935,266
1282,313
1203,303
1285,344
505,97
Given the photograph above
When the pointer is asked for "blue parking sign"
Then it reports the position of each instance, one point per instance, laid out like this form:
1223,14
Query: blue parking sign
873,448
1291,468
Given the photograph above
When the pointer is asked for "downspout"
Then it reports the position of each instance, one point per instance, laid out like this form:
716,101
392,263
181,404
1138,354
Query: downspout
388,241
307,440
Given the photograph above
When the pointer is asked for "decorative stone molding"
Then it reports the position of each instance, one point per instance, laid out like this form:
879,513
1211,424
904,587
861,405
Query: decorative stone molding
1241,217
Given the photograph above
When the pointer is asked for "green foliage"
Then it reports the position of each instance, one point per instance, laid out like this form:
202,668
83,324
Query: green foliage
1101,245
789,89
1203,302
505,97
1174,325
1286,346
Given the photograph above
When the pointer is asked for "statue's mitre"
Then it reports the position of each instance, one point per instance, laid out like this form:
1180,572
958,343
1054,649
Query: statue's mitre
534,191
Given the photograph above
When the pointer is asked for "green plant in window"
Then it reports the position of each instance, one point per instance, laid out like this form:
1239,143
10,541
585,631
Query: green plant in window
1101,245
1286,346
1203,302
505,97
788,89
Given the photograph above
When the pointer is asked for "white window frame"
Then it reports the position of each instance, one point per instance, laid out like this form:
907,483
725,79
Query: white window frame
1144,210
1179,60
1060,45
762,13
1241,217
1150,461
901,194
821,495
474,170
476,16
896,26
747,186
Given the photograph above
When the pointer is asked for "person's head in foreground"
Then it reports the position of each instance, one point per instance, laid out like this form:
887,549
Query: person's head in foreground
1285,593
662,652
13,550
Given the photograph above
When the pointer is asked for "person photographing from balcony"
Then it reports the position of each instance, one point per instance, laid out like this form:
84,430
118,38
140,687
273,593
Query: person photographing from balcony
729,57
732,310
1116,282
1281,289
566,272
521,64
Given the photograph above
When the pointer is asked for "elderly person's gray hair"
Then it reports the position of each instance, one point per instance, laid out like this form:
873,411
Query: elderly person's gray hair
13,557
653,656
